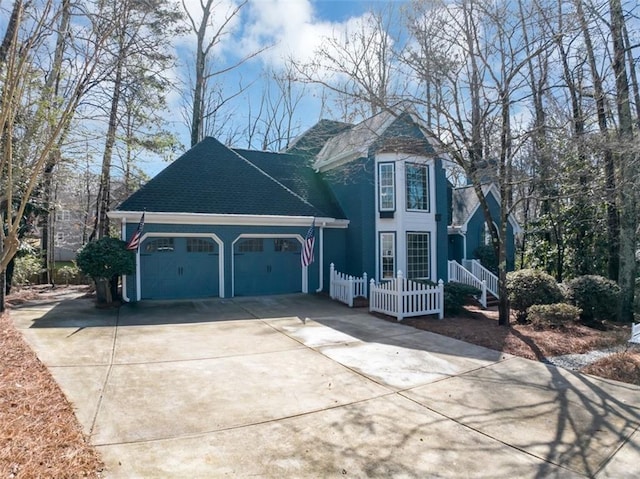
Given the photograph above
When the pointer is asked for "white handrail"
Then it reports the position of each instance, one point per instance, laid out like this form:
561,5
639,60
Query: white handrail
483,273
460,274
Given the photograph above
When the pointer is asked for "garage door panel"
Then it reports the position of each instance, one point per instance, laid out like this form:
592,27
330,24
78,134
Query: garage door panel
267,266
179,268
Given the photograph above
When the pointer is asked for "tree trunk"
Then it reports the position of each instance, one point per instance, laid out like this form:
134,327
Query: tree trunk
613,221
103,291
628,210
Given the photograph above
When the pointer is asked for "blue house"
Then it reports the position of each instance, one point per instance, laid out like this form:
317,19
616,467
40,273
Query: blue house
224,222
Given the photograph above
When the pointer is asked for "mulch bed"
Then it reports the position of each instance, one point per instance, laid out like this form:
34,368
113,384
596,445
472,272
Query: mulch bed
39,434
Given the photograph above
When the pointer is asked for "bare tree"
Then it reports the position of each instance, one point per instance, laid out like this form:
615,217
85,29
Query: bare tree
357,66
19,175
210,30
141,32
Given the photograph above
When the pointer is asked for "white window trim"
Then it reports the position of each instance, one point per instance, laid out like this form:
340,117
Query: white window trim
393,186
429,255
426,168
381,254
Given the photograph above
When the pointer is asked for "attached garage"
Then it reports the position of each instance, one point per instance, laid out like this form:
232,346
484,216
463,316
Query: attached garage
179,267
267,265
219,222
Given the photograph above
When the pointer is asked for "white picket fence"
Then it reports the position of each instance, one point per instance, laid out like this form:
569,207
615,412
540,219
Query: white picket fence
460,274
404,298
344,288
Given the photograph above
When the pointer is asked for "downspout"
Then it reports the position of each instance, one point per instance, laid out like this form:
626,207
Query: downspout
123,227
321,254
464,245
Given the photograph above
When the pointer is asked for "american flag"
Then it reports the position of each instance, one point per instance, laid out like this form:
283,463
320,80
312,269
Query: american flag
306,255
134,242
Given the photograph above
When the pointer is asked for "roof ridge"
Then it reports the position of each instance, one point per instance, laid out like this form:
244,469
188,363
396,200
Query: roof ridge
273,179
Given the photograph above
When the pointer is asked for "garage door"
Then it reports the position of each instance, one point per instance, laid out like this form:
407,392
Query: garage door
179,268
267,266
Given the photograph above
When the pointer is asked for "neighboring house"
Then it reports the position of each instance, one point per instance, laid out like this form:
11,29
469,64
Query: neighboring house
72,214
222,222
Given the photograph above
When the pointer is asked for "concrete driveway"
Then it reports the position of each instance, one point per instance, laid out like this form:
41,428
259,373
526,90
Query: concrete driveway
299,386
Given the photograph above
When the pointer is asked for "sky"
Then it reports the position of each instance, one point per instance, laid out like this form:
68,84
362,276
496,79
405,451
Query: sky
289,27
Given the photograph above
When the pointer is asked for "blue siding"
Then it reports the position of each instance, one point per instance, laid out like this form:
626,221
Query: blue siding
354,188
442,213
333,239
475,228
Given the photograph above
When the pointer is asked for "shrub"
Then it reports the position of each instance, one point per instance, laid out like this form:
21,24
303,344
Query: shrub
68,273
456,295
552,315
528,287
27,267
595,295
103,260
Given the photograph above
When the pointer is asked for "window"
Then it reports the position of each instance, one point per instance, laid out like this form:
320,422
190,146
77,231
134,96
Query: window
63,215
387,255
485,234
251,245
286,246
60,237
387,186
200,245
417,187
159,245
418,255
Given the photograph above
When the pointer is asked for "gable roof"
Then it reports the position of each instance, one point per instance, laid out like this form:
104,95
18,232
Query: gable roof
310,142
465,203
211,178
396,131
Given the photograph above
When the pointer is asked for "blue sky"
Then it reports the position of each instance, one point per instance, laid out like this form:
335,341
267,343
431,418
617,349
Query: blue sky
292,28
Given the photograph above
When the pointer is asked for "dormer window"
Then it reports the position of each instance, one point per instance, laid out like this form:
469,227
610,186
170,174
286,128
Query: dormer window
417,187
386,187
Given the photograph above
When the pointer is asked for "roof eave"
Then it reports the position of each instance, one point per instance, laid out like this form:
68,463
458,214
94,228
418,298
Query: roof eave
224,219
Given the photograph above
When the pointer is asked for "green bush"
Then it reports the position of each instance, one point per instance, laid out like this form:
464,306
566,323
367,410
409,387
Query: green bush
68,273
27,268
552,315
595,295
456,296
106,258
528,287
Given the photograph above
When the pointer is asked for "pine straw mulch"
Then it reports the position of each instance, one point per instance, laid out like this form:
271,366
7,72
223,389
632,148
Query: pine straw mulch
481,327
39,434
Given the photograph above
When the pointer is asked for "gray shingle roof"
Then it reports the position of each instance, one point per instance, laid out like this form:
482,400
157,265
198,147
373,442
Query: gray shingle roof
295,172
211,178
464,203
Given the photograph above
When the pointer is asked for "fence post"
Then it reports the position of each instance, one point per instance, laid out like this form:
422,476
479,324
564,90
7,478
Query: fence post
399,301
364,285
332,271
350,293
483,298
372,300
441,301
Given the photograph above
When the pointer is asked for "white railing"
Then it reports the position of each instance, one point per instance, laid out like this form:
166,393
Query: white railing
635,333
404,298
460,274
484,274
344,288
